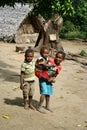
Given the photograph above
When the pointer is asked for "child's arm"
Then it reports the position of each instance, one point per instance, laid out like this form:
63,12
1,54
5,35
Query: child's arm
21,80
48,65
58,69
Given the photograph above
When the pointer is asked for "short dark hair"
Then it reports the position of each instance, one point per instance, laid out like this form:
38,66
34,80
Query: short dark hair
61,52
42,50
29,51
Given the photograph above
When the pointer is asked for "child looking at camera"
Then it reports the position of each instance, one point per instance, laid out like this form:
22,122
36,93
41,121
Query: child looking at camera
46,75
27,79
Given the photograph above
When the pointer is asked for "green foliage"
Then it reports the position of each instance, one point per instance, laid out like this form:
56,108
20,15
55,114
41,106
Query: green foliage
45,7
67,8
74,13
49,7
83,53
74,34
70,30
68,27
80,17
11,2
76,26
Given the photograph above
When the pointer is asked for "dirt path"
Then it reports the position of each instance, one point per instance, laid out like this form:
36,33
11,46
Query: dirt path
69,101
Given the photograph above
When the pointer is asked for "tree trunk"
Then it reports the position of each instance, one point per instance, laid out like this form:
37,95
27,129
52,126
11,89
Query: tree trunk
49,33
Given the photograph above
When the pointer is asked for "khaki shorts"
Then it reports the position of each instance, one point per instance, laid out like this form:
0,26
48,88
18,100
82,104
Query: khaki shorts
28,89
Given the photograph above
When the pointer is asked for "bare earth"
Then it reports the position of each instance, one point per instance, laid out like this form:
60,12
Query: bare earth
69,102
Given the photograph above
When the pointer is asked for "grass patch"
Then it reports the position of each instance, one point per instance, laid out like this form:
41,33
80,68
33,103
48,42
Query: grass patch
74,34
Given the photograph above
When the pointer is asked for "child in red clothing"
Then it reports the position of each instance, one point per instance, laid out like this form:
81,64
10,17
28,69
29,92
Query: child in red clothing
46,69
43,64
59,57
51,68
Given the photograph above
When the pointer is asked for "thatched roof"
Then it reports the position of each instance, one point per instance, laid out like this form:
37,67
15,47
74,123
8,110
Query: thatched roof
11,18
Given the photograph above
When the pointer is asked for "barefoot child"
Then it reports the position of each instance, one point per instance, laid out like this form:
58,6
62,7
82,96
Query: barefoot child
44,65
27,78
44,83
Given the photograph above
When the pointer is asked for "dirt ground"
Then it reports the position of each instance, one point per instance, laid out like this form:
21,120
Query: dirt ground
69,102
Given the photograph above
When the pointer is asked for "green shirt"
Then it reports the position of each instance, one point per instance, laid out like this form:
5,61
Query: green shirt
28,69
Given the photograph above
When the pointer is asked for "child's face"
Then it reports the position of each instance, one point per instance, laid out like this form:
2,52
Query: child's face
29,57
45,53
59,58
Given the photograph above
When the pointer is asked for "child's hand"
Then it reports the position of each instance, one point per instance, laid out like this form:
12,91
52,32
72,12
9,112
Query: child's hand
53,65
51,79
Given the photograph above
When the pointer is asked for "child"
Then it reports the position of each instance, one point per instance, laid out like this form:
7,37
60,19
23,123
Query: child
27,78
45,85
59,57
44,65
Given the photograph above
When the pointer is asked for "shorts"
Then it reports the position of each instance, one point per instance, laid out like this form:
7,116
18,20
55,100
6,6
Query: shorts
28,89
46,88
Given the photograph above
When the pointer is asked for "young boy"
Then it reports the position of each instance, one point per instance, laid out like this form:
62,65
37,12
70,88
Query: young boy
27,78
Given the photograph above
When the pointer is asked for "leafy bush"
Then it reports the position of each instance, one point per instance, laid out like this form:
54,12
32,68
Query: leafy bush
74,34
80,17
76,26
68,26
70,30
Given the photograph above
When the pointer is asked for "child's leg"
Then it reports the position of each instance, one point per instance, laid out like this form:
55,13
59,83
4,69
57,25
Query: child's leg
25,102
47,103
30,103
40,109
41,100
47,100
25,94
31,93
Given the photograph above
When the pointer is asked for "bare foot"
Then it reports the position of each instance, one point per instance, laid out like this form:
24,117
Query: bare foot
40,109
32,107
26,107
48,109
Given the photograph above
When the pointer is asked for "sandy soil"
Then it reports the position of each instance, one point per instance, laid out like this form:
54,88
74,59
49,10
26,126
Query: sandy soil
69,102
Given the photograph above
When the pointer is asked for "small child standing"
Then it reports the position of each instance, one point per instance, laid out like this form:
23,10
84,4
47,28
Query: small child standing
44,65
44,84
27,78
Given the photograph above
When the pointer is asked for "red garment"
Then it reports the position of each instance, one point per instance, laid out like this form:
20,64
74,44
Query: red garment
58,67
44,73
41,73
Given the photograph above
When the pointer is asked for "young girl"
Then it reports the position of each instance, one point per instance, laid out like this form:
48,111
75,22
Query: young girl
44,84
44,65
27,78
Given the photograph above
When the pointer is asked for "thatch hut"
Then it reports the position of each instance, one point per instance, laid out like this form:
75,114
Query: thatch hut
15,25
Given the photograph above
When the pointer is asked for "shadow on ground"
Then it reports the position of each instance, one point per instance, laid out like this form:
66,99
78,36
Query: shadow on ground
6,74
18,102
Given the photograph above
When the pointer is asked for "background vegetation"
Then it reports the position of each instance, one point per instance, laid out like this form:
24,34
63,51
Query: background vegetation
75,26
74,13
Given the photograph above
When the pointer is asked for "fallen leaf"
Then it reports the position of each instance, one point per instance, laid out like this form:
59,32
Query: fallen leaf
79,125
75,79
17,87
6,116
61,97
